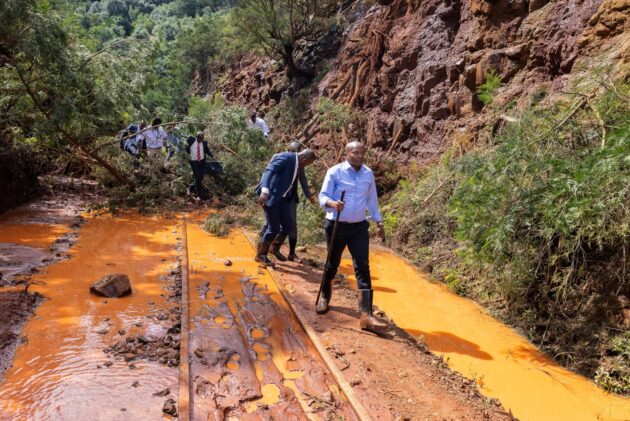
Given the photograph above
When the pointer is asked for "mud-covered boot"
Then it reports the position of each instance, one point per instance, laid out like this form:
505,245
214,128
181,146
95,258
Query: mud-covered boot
292,256
261,253
321,307
367,320
275,248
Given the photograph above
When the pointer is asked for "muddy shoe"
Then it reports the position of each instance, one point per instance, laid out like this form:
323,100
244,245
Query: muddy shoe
279,256
371,323
322,305
262,258
294,258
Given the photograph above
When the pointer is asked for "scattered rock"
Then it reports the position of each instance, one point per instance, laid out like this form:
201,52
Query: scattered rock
228,263
170,407
121,332
135,384
108,364
355,382
102,331
112,286
162,393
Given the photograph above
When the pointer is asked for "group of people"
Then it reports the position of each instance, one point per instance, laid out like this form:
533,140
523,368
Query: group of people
277,194
137,137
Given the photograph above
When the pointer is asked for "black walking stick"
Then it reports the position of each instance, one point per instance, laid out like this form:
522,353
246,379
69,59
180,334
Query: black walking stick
330,246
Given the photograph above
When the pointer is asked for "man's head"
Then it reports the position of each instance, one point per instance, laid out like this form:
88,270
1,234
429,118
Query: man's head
355,153
200,136
170,128
294,147
306,157
156,121
143,125
253,116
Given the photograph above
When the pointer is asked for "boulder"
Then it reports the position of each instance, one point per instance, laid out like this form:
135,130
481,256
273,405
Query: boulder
111,286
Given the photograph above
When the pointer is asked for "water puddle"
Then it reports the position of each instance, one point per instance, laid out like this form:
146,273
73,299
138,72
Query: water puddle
504,364
249,361
61,372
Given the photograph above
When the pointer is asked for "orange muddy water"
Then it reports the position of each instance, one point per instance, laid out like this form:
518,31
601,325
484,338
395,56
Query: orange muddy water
250,358
56,374
504,364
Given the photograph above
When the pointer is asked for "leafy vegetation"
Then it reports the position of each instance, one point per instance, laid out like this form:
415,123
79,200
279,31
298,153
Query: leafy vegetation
539,223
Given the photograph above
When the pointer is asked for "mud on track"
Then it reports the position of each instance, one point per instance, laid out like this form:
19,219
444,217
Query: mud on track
250,359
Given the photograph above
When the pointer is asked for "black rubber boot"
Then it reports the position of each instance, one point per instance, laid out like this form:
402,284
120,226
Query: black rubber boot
275,248
368,321
321,307
261,253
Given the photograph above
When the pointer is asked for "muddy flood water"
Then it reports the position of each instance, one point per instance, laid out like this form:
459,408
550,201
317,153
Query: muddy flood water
504,364
61,372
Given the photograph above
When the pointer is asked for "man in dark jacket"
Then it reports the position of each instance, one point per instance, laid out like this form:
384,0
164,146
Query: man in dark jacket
198,150
293,203
273,191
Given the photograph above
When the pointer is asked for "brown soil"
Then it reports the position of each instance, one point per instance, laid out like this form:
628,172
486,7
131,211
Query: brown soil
395,377
15,308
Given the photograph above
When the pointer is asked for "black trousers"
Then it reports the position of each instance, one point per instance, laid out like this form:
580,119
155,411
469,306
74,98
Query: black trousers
199,171
357,238
293,229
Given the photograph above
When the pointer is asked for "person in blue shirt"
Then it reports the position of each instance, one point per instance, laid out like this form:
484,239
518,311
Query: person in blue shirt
357,180
274,195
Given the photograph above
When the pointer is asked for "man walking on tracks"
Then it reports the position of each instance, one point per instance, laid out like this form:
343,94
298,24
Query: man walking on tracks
293,203
357,181
274,195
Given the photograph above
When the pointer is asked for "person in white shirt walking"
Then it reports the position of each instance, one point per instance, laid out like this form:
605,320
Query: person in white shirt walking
256,122
155,138
198,150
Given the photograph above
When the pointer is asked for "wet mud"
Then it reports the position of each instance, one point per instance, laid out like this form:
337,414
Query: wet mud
250,358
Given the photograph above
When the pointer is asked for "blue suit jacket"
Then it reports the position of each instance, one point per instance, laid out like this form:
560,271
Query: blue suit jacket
278,176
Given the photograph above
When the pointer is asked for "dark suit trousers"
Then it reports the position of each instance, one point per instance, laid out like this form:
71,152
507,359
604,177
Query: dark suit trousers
278,220
357,238
293,229
199,171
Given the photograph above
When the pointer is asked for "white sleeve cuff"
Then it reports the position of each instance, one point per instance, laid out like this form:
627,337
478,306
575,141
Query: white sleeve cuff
265,190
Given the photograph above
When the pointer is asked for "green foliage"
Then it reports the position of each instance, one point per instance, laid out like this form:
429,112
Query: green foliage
219,224
545,208
244,152
278,26
335,116
487,90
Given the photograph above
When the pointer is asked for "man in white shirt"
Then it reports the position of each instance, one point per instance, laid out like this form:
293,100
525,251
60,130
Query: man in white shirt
155,138
256,122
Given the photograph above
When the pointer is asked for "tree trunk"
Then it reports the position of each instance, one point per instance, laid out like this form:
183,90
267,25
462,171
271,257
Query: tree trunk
293,70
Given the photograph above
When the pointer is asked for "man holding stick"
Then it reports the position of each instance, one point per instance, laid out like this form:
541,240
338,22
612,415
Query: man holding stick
357,181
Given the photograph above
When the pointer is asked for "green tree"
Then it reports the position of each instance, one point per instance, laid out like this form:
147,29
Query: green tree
279,26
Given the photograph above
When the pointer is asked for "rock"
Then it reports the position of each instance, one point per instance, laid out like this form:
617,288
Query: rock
170,407
228,263
102,331
135,384
108,364
162,393
112,286
301,249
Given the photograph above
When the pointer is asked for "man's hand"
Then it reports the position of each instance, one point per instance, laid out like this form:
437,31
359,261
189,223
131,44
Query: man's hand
263,199
380,233
335,204
313,200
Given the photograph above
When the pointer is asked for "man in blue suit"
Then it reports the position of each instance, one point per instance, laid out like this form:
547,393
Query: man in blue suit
274,195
